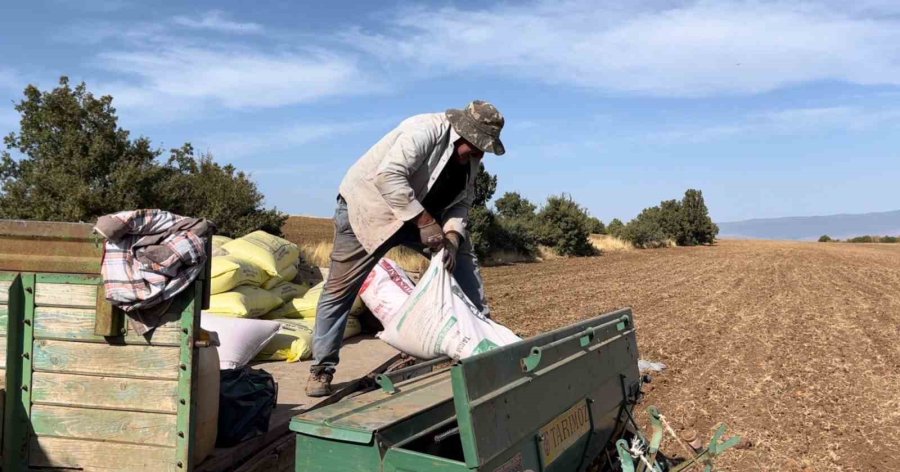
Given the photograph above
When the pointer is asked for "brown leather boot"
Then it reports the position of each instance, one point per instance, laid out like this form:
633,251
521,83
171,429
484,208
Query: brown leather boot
319,384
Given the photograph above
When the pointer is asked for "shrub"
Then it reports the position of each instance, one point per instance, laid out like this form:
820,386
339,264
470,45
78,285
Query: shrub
199,186
687,223
595,226
862,239
615,227
889,239
513,205
563,225
825,239
646,230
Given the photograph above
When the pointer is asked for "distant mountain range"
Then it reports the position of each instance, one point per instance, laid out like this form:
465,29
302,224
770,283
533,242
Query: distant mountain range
811,227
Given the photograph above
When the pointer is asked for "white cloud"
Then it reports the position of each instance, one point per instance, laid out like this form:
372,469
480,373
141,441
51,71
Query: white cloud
680,49
234,146
216,20
791,121
185,78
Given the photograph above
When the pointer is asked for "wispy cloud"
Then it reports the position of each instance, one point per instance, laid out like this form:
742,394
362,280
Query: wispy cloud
791,121
681,49
238,78
216,20
235,146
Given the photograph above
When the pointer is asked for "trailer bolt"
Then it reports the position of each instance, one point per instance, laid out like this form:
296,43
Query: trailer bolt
183,367
25,355
28,322
182,401
180,465
24,388
181,434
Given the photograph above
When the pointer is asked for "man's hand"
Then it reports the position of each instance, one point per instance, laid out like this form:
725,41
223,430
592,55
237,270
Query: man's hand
430,233
451,248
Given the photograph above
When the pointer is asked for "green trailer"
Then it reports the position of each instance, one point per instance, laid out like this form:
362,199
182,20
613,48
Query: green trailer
84,392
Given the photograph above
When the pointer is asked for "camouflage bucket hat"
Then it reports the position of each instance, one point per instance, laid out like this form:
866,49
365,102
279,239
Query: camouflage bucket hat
480,124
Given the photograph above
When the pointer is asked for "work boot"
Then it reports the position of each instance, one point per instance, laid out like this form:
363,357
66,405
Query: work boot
319,384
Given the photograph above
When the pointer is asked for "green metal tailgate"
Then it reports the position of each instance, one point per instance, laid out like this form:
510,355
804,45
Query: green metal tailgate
550,402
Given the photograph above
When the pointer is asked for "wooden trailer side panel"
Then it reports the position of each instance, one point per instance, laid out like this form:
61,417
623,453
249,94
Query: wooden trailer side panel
108,403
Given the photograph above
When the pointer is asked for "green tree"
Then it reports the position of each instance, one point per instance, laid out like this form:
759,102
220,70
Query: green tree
700,227
671,220
595,226
825,238
77,164
223,194
615,227
485,186
646,230
563,225
513,205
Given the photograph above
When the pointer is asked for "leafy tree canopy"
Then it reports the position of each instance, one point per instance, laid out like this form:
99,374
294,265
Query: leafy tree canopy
77,164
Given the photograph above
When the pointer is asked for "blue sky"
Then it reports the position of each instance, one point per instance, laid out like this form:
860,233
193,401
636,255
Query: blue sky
771,108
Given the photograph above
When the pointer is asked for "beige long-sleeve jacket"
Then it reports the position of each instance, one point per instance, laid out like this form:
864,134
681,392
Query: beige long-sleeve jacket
385,186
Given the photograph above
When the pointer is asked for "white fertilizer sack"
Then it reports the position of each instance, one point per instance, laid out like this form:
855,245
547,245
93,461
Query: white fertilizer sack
438,319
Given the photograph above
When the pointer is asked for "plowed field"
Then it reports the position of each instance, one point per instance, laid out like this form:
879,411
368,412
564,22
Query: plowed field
795,346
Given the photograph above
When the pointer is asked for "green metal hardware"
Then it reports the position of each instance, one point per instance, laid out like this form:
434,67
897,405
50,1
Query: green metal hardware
387,380
187,388
634,461
533,360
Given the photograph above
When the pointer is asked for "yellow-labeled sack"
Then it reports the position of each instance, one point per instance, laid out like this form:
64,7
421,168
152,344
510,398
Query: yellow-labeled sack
305,307
353,328
228,272
288,275
292,343
270,253
217,243
243,302
288,291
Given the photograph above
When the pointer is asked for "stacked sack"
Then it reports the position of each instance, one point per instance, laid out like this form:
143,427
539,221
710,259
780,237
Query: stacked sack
253,277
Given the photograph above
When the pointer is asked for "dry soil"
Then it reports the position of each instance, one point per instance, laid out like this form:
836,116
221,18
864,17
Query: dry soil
794,345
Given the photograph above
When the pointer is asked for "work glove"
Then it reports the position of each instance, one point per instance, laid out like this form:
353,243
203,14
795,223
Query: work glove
430,233
451,248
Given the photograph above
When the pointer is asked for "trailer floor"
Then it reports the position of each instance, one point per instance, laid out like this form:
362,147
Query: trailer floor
274,451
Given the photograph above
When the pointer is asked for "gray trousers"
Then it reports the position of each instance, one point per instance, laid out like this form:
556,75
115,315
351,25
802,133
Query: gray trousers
350,264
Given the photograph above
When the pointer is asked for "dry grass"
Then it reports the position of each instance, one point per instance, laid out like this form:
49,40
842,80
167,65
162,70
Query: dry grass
319,255
308,229
606,243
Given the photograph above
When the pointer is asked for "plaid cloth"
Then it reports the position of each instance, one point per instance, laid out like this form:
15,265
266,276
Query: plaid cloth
150,256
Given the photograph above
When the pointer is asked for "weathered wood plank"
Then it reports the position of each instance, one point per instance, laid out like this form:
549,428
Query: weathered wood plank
4,319
78,324
104,392
100,456
4,291
47,294
149,362
156,429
